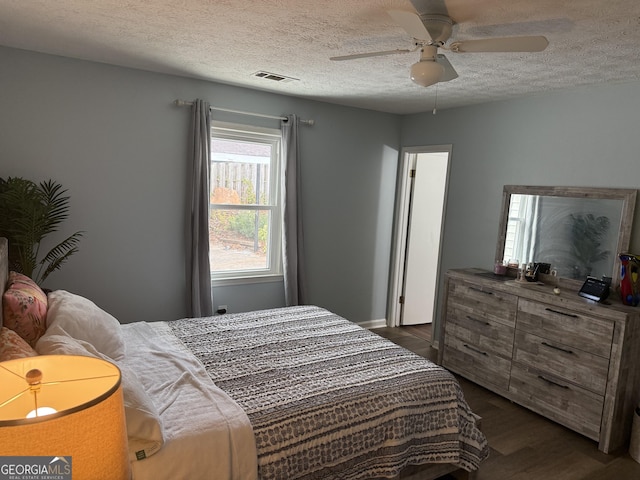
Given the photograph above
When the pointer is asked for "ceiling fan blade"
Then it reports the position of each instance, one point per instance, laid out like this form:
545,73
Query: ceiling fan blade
504,44
431,7
370,54
411,22
449,72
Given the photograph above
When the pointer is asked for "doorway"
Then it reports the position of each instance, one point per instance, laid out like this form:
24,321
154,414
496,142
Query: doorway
419,220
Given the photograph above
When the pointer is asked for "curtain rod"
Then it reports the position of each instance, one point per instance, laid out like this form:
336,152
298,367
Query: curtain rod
183,103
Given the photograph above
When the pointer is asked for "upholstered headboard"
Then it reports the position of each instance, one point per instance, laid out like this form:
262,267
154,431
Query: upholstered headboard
4,269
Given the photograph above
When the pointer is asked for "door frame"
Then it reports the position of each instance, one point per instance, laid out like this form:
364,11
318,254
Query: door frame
401,227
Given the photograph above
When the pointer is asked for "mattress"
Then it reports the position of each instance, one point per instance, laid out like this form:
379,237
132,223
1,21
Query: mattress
206,435
328,399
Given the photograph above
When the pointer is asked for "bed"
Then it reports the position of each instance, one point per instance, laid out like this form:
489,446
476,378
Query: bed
289,393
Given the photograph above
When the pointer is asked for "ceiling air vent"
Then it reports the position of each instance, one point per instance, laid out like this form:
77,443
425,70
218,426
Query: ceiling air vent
275,77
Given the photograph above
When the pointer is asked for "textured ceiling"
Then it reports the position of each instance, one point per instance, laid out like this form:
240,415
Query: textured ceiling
590,42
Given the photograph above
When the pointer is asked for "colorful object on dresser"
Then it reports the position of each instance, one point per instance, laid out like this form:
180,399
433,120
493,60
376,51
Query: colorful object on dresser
24,307
629,285
52,405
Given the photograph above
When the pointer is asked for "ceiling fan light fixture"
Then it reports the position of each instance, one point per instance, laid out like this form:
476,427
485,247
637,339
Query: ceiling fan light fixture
426,72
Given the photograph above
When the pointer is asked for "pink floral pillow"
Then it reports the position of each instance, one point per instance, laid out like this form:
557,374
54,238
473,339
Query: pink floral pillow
12,346
24,306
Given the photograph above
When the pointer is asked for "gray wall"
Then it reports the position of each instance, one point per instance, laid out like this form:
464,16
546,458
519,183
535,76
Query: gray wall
582,137
112,137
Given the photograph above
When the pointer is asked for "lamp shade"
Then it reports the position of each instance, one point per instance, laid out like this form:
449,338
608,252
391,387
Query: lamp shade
86,432
426,72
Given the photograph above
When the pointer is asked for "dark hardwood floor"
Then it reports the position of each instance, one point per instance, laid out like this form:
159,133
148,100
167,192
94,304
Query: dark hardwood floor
524,445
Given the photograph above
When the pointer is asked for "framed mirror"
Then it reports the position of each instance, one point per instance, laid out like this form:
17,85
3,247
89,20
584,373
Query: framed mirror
579,231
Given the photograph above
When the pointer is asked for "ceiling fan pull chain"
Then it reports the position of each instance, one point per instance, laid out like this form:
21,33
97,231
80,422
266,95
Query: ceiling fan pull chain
435,102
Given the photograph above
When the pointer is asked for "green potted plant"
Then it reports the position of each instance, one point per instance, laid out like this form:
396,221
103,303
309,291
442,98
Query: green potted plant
587,234
29,212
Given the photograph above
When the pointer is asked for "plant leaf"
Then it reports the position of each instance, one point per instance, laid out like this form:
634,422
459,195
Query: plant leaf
28,213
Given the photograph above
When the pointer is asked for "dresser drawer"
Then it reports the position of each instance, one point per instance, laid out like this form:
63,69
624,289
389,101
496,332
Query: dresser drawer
478,328
569,363
483,302
563,402
479,365
576,330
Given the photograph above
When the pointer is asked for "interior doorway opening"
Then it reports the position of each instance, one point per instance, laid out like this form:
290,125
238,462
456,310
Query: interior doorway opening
419,221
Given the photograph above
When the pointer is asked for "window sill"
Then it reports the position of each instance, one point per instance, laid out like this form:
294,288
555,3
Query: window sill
224,282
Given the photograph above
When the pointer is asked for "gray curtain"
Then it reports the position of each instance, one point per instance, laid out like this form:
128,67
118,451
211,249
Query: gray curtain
200,302
292,241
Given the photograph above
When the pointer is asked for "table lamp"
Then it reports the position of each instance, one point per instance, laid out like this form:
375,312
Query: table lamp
66,410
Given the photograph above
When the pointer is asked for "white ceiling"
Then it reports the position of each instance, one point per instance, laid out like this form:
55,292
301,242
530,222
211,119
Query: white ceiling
590,42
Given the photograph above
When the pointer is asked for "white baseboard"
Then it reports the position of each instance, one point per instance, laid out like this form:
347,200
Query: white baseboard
380,323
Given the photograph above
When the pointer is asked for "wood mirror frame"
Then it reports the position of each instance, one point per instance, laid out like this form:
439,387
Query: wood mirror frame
628,202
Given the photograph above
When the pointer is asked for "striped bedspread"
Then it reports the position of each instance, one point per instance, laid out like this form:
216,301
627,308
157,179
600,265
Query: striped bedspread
328,399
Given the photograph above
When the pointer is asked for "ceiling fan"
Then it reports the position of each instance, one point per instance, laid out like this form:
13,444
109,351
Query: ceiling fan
431,31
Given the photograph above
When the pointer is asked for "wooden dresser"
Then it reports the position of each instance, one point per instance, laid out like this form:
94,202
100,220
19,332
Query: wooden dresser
570,359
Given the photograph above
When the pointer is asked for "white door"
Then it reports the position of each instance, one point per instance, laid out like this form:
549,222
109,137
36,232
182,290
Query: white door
420,216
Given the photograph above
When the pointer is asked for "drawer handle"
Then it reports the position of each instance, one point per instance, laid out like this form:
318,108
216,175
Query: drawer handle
565,350
553,383
475,350
572,315
469,317
479,290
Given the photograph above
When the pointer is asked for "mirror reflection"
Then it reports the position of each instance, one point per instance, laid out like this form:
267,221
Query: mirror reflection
578,231
577,236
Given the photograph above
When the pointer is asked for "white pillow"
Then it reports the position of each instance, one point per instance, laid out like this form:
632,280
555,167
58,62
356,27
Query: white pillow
84,320
144,430
53,343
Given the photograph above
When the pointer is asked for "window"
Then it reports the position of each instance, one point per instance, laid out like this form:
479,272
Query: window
512,243
244,226
521,236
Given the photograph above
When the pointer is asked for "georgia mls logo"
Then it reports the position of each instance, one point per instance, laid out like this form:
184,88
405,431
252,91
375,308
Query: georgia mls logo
35,468
60,465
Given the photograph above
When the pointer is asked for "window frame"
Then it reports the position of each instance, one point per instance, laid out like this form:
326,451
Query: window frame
267,136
